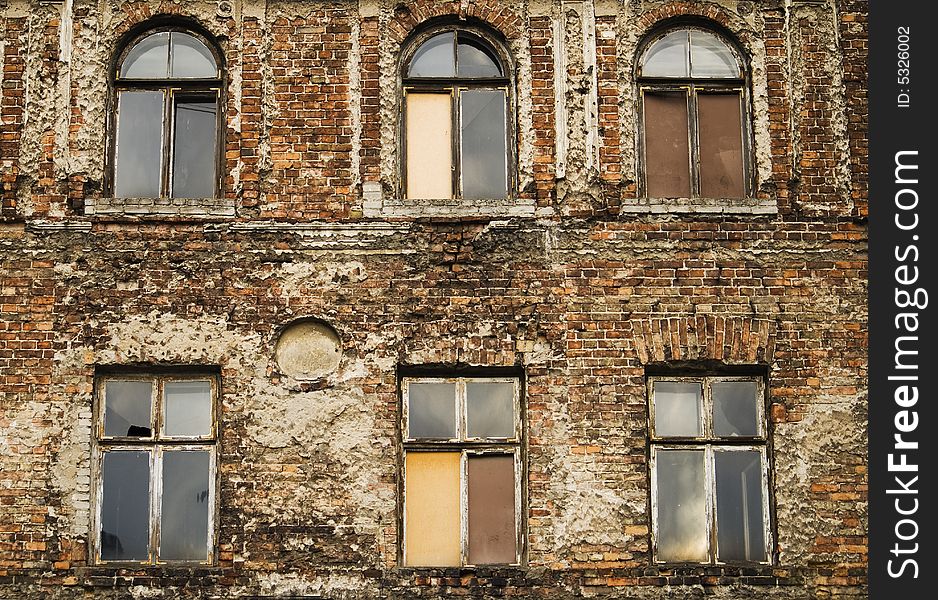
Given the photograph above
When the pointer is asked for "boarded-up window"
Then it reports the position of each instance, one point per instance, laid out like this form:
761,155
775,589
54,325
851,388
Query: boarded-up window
708,468
721,146
456,93
461,471
667,154
693,116
155,476
429,146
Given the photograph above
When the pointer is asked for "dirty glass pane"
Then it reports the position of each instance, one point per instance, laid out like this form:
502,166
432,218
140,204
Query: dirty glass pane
139,145
740,524
667,146
721,145
484,154
682,506
125,506
432,410
434,58
667,57
185,506
432,509
491,514
735,408
188,408
473,59
429,146
711,57
190,58
148,59
194,155
677,409
490,409
127,406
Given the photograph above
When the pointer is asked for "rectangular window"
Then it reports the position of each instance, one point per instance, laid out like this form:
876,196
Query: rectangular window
709,473
462,466
156,440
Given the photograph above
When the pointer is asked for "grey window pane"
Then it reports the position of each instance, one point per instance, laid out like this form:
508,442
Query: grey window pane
148,59
735,408
677,409
188,408
682,506
434,58
185,506
190,58
490,410
432,410
740,524
127,406
719,125
667,57
125,506
194,155
711,57
482,125
139,145
475,60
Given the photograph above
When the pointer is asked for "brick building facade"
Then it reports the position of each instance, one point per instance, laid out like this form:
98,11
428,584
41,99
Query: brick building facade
302,306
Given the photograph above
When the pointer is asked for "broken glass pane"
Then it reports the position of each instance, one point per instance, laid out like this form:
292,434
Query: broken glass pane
434,58
735,408
125,506
188,408
484,153
127,407
682,506
194,154
185,506
490,410
677,409
190,58
740,524
491,511
667,57
148,59
711,57
139,145
473,59
432,410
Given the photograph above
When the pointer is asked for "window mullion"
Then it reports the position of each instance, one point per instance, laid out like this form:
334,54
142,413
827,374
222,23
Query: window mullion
167,158
710,477
464,507
456,140
156,493
694,140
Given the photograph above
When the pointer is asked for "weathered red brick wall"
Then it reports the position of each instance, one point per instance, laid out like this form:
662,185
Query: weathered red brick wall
582,296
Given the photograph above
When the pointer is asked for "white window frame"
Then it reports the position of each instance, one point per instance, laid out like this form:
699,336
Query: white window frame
709,444
155,445
467,447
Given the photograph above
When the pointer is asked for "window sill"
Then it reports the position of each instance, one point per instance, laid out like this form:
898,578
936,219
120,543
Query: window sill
716,206
375,205
204,208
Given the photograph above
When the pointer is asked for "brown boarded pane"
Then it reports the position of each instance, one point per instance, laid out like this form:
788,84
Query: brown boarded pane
667,156
721,146
429,146
492,533
431,502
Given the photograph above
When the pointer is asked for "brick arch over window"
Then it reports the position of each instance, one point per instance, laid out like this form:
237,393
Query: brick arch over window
491,13
729,340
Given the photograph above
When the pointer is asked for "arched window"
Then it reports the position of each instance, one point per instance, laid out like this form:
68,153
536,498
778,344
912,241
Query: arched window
456,129
694,122
167,85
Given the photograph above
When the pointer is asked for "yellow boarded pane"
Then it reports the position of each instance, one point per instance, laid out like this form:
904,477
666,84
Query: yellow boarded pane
431,503
429,146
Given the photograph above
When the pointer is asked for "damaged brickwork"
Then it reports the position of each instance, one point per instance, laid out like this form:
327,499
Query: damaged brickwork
576,284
